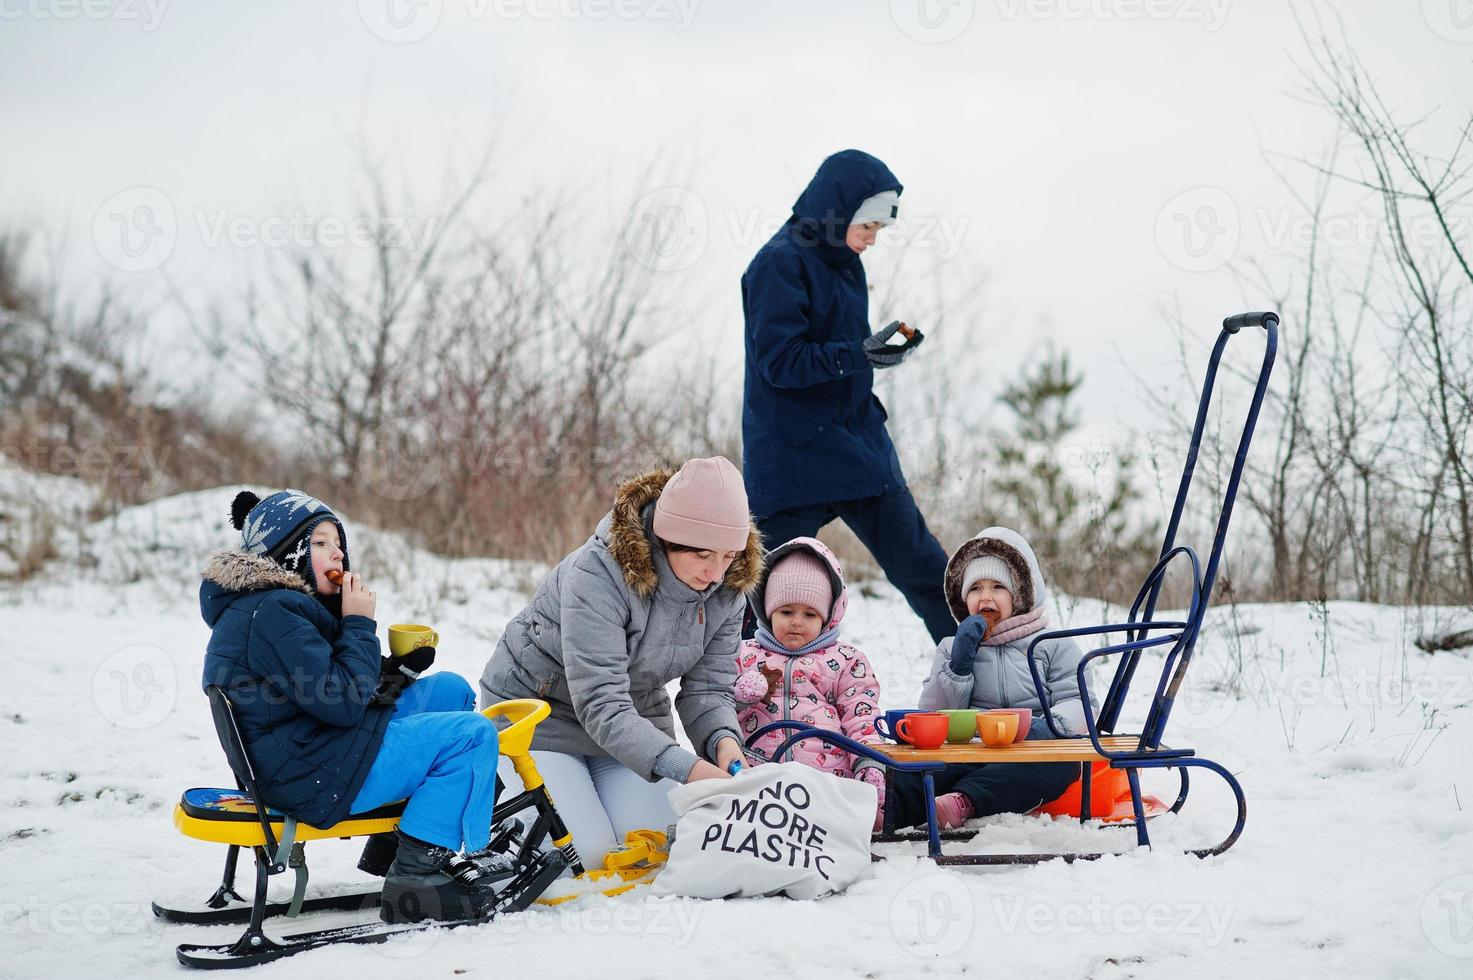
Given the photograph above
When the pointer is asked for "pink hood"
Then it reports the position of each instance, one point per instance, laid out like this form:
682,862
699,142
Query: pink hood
833,687
757,599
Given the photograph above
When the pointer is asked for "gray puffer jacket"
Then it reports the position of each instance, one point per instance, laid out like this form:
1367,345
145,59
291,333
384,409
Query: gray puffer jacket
609,627
1000,677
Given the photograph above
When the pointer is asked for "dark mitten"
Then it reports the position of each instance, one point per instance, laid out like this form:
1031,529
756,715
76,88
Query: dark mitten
969,636
416,662
397,673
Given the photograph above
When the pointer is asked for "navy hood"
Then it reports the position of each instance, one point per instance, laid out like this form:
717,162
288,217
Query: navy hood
823,212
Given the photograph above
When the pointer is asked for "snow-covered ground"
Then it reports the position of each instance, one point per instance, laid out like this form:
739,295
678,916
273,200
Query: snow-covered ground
1353,747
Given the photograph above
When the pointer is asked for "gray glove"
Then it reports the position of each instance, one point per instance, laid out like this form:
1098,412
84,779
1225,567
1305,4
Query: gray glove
881,354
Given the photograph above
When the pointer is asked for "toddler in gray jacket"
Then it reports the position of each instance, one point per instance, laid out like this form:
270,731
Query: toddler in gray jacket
997,595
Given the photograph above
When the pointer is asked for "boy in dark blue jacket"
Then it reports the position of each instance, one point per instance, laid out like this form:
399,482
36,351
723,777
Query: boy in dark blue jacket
330,727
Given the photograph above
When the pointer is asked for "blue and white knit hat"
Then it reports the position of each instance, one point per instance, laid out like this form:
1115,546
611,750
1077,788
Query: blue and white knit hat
280,528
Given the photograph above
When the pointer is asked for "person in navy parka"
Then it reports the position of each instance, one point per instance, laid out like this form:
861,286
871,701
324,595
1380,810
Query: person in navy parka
814,444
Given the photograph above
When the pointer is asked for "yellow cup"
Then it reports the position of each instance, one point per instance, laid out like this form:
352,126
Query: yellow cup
408,637
997,728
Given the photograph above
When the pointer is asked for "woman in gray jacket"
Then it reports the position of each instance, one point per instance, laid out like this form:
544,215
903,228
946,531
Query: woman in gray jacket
655,595
997,596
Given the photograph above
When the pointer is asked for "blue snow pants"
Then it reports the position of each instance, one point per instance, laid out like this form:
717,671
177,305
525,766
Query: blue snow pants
441,754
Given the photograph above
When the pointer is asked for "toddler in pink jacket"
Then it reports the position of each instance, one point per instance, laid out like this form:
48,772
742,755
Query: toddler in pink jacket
796,669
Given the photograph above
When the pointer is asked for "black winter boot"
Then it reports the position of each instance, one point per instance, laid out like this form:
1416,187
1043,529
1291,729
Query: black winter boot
430,882
378,853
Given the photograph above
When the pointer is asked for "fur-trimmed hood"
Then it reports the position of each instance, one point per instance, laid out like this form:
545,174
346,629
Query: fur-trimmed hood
1015,551
228,574
630,540
607,631
241,571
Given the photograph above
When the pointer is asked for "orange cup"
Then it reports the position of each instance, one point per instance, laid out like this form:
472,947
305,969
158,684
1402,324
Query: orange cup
997,727
924,729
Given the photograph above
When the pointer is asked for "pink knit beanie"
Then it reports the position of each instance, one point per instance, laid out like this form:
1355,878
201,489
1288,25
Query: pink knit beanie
801,578
704,506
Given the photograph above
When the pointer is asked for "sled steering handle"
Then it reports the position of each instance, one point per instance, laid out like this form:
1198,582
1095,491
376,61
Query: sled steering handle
1238,321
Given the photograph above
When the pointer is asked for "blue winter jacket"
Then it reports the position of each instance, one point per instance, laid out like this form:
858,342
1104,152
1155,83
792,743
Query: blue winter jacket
812,429
300,680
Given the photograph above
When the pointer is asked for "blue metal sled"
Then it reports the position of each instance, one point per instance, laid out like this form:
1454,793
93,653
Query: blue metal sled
1128,751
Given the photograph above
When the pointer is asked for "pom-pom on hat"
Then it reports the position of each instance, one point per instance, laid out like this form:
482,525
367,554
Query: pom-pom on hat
280,528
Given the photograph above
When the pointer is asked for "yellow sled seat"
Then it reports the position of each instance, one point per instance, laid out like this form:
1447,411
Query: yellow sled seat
229,816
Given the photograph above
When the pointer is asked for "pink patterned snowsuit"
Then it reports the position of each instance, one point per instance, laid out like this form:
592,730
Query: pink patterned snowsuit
832,687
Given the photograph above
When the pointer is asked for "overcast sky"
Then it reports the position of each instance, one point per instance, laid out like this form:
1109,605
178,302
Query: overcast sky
1092,158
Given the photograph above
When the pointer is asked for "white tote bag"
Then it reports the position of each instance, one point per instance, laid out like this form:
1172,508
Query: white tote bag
773,829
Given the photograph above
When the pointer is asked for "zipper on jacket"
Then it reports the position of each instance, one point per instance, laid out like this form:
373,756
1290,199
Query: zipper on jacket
1002,691
787,686
701,613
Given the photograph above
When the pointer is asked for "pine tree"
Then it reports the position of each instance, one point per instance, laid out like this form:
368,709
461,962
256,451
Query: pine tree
1075,505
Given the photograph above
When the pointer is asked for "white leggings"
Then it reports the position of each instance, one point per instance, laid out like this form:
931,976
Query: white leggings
599,799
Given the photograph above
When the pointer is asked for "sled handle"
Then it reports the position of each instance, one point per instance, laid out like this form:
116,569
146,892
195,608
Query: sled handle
1238,321
523,714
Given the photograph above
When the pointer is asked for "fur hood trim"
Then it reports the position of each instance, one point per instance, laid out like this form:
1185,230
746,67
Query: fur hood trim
241,571
1008,545
632,548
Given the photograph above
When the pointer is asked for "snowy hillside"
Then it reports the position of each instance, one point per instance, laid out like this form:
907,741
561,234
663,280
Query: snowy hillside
1352,745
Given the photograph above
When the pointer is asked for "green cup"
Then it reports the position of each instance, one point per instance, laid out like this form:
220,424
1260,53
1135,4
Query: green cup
961,724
